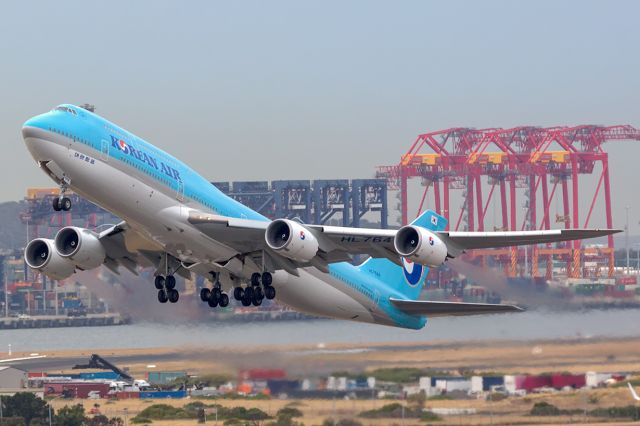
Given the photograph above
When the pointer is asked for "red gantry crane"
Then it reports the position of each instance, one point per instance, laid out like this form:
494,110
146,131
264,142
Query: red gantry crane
544,163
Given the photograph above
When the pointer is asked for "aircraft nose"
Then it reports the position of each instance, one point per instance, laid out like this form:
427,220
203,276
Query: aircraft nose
31,126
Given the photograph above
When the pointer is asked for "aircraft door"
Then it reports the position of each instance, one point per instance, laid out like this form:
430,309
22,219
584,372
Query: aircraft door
180,193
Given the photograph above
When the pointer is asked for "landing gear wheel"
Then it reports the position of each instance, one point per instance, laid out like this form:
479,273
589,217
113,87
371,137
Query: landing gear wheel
159,282
213,302
270,292
162,296
246,298
205,294
173,296
56,204
267,279
238,292
255,279
224,300
65,204
258,293
170,282
248,292
216,293
257,301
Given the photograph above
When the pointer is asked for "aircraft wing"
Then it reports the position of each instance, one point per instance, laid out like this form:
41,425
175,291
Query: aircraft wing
337,243
458,242
441,309
125,247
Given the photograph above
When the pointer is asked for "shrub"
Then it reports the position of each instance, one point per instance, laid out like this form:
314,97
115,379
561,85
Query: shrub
391,411
544,409
164,412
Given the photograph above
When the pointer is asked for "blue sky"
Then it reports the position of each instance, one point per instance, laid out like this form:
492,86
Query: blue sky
290,89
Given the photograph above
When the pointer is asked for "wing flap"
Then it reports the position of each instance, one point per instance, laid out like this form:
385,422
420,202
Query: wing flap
441,309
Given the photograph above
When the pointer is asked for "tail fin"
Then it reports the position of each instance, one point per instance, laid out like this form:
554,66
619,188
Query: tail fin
409,278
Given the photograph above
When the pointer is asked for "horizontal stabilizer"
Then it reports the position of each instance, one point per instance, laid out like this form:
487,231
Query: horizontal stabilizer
442,309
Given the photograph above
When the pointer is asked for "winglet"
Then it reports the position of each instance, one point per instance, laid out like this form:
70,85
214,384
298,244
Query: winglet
633,392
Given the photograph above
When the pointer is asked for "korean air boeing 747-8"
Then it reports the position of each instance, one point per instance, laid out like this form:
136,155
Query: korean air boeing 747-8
178,223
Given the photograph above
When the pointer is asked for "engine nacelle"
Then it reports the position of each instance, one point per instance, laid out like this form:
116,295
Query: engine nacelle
41,255
291,240
420,245
80,246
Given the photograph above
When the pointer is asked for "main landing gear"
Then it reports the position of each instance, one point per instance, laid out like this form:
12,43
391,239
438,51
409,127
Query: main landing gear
215,296
166,289
61,202
260,287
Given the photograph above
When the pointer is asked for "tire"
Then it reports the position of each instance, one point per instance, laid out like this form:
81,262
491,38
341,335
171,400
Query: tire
270,292
66,204
224,300
215,294
267,279
213,302
245,301
205,294
257,301
173,296
255,279
258,293
56,204
248,292
238,292
170,282
159,282
162,296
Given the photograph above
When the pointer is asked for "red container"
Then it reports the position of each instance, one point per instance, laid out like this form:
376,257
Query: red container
34,375
575,381
529,383
627,280
76,389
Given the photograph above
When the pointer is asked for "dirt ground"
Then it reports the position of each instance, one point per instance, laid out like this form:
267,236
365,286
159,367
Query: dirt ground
576,355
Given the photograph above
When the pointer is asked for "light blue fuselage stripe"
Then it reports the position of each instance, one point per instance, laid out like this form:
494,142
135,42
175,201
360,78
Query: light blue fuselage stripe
171,175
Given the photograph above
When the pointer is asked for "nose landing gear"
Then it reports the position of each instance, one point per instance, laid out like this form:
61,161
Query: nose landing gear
61,202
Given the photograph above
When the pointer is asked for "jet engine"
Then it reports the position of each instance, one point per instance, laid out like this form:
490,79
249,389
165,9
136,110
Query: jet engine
40,255
420,245
291,240
80,246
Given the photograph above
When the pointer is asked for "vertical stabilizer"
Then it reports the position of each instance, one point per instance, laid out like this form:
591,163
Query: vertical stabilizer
409,278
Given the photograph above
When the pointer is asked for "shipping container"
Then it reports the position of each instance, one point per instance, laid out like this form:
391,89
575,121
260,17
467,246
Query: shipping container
278,387
77,389
529,383
575,381
163,394
100,375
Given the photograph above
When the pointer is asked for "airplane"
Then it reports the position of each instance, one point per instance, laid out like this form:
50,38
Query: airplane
177,222
633,392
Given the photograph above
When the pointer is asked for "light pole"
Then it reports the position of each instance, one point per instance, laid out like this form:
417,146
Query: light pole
50,401
626,237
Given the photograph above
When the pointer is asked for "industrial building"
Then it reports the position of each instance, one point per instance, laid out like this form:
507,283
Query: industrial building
12,379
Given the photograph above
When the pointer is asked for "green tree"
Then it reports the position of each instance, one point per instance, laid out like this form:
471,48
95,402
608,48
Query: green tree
25,405
71,416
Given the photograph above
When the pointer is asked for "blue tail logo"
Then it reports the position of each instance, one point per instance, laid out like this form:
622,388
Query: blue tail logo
412,272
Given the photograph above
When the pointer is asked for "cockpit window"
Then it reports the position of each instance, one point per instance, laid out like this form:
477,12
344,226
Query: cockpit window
66,109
